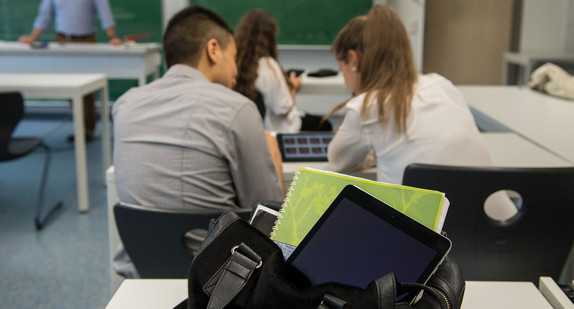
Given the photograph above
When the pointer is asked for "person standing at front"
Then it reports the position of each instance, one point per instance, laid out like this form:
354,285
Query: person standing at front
74,21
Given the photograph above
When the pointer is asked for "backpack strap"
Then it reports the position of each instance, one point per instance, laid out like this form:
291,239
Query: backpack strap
230,279
331,302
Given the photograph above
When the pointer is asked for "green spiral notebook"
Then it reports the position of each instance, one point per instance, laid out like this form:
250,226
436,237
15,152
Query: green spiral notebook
312,191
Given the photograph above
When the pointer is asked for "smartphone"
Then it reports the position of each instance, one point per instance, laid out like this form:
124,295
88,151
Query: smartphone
298,72
39,45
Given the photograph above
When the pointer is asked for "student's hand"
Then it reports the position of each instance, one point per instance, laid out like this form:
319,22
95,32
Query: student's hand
115,41
553,80
295,81
25,39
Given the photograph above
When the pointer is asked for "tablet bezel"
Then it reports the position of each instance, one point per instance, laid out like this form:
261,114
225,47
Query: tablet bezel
438,243
306,134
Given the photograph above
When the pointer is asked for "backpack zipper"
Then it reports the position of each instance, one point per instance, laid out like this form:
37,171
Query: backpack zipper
448,306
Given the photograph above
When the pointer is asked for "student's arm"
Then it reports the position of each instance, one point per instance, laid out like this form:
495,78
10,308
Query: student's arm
252,168
273,86
347,149
295,84
41,22
276,156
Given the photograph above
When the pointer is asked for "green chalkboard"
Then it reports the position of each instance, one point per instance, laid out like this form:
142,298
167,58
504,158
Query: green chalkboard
16,18
307,22
131,17
138,17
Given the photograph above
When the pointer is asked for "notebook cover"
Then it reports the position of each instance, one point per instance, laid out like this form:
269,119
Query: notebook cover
312,191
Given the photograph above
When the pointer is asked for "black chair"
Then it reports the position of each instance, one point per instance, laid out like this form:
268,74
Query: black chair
161,242
260,105
533,243
11,112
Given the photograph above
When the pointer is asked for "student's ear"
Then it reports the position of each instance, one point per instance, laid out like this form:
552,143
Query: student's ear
354,58
213,51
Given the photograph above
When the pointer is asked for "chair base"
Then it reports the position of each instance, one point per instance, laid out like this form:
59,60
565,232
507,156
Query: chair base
41,222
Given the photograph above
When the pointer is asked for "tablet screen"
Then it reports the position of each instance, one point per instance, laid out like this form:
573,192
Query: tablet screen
304,146
360,239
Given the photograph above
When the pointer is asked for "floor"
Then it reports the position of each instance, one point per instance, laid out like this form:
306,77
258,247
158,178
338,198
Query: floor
65,265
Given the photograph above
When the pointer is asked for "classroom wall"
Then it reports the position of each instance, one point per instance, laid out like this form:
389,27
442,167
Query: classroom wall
570,29
169,8
465,40
546,26
412,13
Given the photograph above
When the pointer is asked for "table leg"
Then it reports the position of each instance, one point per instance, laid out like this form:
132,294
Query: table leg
156,73
505,69
106,134
526,73
80,150
142,80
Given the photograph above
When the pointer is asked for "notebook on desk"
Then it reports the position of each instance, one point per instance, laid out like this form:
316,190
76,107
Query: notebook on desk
312,191
304,146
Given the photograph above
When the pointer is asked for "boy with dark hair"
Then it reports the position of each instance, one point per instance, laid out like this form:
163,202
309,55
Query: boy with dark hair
187,140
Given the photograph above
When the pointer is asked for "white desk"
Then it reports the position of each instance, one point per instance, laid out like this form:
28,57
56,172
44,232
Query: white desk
506,149
541,119
493,295
72,87
331,85
290,168
527,60
318,95
113,235
511,150
553,294
128,61
167,293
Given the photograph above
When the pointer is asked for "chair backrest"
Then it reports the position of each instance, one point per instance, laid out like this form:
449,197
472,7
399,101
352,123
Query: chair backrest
11,112
155,238
260,105
533,243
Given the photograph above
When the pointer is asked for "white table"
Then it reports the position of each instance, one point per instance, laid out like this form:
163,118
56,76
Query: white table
127,61
553,294
167,293
318,95
541,119
71,87
506,149
331,85
511,150
527,60
290,168
493,295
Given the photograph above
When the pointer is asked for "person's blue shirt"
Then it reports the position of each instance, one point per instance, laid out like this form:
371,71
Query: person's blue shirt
74,17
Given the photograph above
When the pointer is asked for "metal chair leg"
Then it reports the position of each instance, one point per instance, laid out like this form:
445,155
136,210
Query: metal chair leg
38,221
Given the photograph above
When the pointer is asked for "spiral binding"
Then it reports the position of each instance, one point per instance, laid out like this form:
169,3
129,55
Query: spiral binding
285,203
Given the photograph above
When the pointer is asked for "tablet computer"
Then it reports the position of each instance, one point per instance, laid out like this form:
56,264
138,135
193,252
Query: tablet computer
304,146
360,239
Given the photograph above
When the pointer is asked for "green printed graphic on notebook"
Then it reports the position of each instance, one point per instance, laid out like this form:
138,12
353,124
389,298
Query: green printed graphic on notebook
312,191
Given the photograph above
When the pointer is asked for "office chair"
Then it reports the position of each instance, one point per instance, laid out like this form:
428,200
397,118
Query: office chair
533,243
161,242
11,112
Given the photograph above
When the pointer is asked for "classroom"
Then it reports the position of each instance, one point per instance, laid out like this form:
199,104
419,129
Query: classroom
146,103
